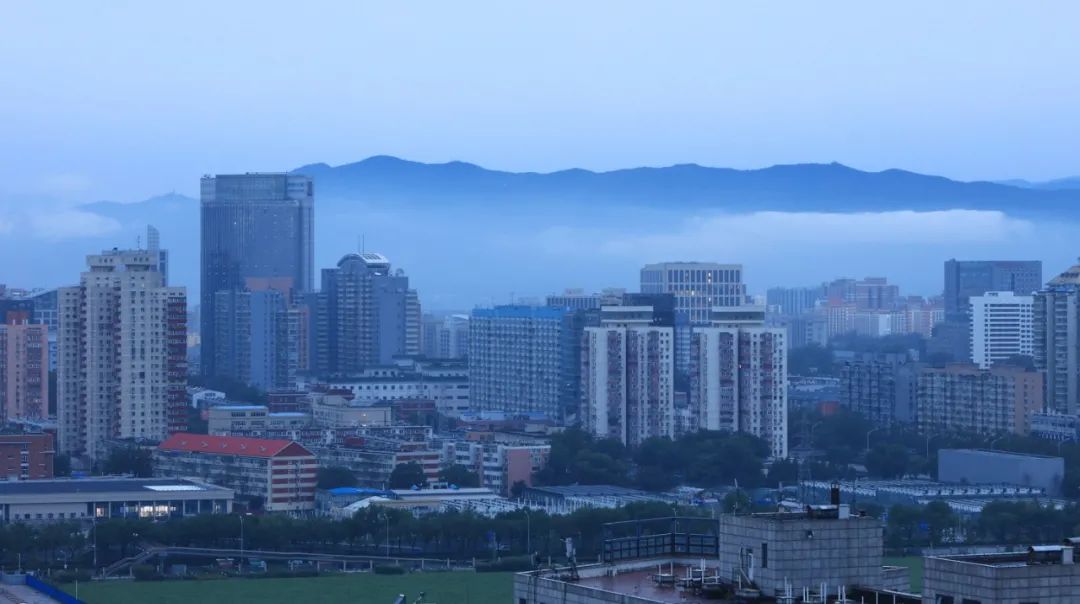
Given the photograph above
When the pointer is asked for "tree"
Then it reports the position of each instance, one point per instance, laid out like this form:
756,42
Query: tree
810,360
130,460
407,476
887,460
331,477
62,465
459,475
518,489
655,478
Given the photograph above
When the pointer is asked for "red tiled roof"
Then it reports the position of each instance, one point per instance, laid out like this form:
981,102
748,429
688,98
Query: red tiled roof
230,445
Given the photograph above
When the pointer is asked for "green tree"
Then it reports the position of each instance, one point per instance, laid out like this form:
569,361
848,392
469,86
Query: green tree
887,461
811,360
62,465
331,477
129,460
407,476
459,475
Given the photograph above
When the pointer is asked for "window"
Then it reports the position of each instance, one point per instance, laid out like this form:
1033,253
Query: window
764,555
940,599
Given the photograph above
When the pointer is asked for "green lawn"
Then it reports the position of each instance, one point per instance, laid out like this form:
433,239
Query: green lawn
915,563
441,588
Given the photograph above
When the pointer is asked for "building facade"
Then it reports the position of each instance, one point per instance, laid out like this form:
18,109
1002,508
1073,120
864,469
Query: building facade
366,315
122,369
27,456
445,383
882,387
93,499
258,338
446,337
1001,327
793,301
520,361
280,473
498,466
24,370
253,226
738,378
964,398
1056,320
967,278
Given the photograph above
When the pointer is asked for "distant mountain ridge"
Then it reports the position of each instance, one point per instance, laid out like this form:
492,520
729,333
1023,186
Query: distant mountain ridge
798,187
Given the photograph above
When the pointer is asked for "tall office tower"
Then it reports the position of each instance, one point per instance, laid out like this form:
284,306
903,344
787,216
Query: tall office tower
967,278
1001,327
880,386
24,369
1056,318
627,371
520,361
698,287
253,225
258,338
961,398
446,337
793,301
875,293
122,369
738,378
365,315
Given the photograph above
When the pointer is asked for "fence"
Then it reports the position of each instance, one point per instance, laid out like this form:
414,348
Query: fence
60,596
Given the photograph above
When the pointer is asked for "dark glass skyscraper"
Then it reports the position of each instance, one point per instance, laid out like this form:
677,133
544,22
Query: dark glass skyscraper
254,227
967,278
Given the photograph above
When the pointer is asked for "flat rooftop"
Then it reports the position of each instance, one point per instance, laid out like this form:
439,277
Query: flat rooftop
640,584
103,485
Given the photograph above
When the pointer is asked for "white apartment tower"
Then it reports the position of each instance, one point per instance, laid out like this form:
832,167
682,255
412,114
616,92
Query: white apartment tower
122,368
1002,326
738,378
627,375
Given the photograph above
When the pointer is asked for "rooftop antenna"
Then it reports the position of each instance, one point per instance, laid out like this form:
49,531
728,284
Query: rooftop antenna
138,242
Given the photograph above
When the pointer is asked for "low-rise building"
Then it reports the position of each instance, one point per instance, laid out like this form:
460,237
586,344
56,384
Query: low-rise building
252,420
27,456
1043,574
498,466
977,466
280,473
340,409
445,382
103,498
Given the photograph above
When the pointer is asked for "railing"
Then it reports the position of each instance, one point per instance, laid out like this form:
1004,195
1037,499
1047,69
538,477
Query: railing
56,594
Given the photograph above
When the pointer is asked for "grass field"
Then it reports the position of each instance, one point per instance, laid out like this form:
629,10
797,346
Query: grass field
441,588
915,563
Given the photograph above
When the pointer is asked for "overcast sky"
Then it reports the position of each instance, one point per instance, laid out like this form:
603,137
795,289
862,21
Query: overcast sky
123,100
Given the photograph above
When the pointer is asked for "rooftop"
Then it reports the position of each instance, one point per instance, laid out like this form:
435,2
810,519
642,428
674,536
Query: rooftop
231,445
102,485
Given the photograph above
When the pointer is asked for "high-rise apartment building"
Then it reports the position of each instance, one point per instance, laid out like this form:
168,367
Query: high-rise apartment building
520,360
365,315
880,386
964,398
1001,327
24,370
967,278
738,379
1056,347
698,287
122,369
258,335
253,226
627,372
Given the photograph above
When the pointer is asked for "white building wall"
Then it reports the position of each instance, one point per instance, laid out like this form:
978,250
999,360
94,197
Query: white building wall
1001,326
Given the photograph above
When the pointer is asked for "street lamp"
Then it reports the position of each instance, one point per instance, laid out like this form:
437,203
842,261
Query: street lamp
528,531
386,517
242,539
868,438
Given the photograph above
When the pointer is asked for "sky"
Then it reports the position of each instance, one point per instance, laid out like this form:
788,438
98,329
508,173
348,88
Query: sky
128,100
125,100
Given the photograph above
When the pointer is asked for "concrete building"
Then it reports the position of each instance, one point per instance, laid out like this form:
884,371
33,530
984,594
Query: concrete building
882,387
122,370
337,409
1042,574
735,558
253,226
24,370
967,278
976,466
65,500
577,299
281,474
252,420
446,383
793,301
1001,327
446,337
627,374
1056,318
738,378
258,337
521,361
27,456
365,315
498,466
964,398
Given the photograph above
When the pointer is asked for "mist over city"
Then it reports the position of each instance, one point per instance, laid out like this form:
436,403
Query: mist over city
539,303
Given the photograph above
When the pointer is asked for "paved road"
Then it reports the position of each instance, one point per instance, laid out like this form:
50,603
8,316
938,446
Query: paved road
21,594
